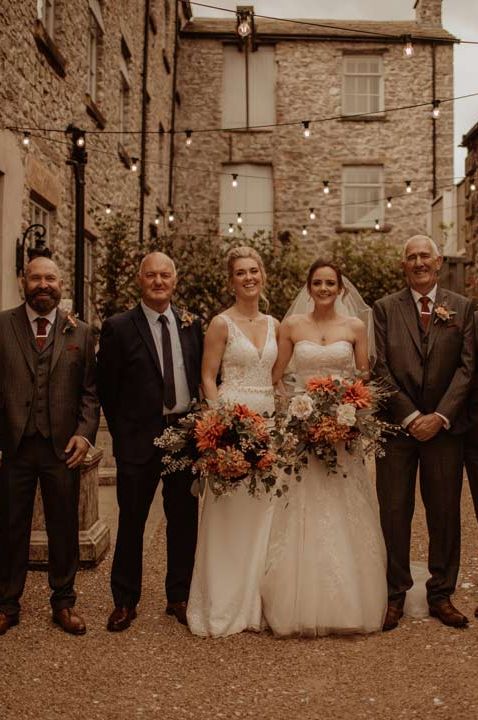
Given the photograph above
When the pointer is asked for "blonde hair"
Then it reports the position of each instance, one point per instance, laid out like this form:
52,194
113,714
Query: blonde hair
242,252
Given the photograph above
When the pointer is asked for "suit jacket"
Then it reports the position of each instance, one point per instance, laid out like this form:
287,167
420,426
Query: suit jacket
473,399
72,399
130,381
430,376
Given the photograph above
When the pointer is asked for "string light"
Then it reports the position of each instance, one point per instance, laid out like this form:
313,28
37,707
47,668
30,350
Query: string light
189,139
377,225
231,229
243,24
436,109
157,220
305,125
312,214
234,180
26,139
472,186
304,230
108,209
171,215
326,187
408,183
239,218
408,50
80,140
134,164
389,202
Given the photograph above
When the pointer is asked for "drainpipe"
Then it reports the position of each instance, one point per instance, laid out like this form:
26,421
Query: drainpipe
144,120
173,107
434,123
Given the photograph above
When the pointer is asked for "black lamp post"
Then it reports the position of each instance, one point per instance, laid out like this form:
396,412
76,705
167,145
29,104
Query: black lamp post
78,160
39,249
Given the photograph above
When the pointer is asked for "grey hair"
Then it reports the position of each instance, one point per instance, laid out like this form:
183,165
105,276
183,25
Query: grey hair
432,243
163,257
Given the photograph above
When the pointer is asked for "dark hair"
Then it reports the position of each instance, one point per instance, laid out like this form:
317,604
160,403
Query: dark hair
324,264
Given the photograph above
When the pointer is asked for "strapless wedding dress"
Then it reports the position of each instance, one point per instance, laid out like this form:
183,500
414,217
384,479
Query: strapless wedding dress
326,564
234,530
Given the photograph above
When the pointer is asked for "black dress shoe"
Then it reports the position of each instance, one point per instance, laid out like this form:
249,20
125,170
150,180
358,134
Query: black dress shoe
448,614
394,613
7,621
120,619
179,610
69,621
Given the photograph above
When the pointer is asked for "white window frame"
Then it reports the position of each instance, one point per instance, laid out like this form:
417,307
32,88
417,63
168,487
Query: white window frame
253,198
245,101
350,101
42,214
351,200
46,13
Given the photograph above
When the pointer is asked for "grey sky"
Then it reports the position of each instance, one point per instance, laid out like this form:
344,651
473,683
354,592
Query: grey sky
459,17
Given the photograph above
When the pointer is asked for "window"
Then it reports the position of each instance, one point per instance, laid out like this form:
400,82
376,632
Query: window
253,198
96,31
362,195
362,90
248,87
46,13
125,84
41,214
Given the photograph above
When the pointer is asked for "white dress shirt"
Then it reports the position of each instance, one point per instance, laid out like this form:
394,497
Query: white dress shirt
417,300
32,316
183,397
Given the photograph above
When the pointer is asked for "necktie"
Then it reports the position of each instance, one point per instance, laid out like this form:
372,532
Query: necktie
168,371
425,313
41,336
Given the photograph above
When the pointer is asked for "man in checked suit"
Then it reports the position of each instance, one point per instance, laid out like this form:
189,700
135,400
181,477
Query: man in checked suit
49,415
149,369
425,352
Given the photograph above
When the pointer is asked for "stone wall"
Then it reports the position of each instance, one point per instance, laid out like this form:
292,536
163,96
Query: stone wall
470,141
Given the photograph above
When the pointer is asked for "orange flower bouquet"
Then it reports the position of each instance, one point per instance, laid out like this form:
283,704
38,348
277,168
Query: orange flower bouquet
333,411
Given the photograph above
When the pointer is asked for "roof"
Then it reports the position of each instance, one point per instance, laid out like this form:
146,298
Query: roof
470,136
298,29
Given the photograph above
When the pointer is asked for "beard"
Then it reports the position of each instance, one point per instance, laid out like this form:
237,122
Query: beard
43,305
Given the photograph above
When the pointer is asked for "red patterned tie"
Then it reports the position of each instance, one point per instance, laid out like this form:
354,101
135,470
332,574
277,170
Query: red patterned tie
41,336
426,313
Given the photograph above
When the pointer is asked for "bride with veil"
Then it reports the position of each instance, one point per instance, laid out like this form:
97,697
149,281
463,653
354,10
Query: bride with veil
326,563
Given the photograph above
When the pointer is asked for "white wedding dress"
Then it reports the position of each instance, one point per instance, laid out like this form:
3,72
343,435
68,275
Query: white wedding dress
234,530
326,565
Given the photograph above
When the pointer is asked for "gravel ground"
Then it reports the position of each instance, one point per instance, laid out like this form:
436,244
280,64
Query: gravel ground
157,669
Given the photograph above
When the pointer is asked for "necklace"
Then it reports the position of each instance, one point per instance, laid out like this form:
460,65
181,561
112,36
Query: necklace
323,336
250,319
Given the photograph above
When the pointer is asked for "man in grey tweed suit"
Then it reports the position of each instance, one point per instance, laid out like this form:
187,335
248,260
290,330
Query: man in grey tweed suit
425,352
49,416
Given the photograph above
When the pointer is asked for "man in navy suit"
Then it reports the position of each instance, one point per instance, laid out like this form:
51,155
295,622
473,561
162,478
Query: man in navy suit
149,370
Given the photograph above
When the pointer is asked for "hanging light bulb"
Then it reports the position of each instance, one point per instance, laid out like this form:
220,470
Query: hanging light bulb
305,125
108,209
171,215
243,24
26,139
230,229
239,218
436,109
389,202
472,186
377,225
134,164
80,140
189,139
408,50
157,220
234,180
312,215
304,230
326,190
409,186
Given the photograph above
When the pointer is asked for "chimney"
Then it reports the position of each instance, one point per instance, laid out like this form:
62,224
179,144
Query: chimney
428,12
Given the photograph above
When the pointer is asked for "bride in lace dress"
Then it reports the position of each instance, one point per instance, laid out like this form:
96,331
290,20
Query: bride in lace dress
326,565
234,530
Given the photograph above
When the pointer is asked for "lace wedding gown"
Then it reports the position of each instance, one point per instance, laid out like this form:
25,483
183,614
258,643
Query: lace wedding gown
326,565
234,529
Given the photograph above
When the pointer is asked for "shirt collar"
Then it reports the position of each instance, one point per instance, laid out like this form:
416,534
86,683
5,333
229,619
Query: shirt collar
32,314
432,295
153,315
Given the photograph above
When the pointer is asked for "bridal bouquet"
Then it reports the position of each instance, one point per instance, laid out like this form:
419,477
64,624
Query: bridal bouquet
226,446
333,411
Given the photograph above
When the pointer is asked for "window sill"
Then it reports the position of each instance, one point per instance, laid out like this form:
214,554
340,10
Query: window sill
378,117
49,49
124,156
385,228
93,111
250,130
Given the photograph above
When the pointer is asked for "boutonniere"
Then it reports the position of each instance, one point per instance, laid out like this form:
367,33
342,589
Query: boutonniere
186,318
71,322
443,313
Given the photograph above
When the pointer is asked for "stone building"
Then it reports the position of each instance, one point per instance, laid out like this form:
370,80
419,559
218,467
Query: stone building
246,102
109,69
470,203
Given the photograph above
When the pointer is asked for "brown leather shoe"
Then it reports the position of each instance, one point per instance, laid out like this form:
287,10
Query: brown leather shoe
120,619
394,613
69,621
448,614
179,610
7,621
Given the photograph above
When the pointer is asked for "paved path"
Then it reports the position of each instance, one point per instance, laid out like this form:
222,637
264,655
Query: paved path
158,670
